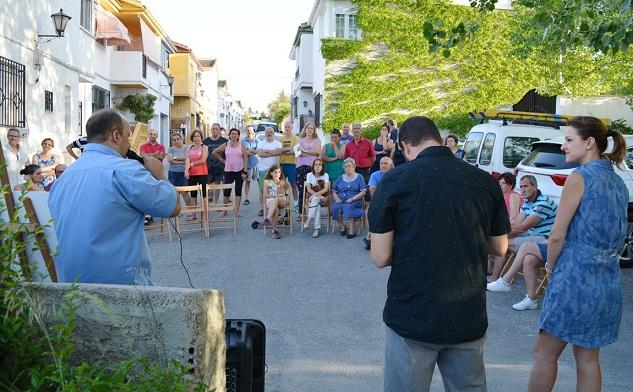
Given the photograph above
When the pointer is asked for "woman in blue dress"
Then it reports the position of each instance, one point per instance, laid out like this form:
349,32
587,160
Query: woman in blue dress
583,301
348,193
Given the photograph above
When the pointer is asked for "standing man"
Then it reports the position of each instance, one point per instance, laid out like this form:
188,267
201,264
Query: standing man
152,148
288,159
346,137
250,142
78,144
361,150
15,155
268,152
155,150
105,242
436,235
216,168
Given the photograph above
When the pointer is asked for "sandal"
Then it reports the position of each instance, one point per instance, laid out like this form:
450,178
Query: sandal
276,235
344,232
350,236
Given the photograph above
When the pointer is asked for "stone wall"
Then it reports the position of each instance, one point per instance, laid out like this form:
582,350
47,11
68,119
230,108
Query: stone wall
116,323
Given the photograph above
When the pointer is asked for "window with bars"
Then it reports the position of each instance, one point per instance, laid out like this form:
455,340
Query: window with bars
100,98
48,101
85,19
12,93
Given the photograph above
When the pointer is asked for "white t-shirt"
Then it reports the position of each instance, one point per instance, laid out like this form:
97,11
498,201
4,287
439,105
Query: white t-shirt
265,163
312,180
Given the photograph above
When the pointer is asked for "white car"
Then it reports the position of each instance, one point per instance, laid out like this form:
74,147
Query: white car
547,164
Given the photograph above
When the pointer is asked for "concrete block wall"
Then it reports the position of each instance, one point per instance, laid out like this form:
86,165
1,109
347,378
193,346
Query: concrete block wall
116,323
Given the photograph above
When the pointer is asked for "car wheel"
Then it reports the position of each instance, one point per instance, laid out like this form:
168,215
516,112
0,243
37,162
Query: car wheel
626,251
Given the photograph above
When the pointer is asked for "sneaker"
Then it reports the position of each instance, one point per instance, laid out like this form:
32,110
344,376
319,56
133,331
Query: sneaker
261,213
306,225
498,285
526,304
148,220
266,222
276,235
247,202
315,234
367,243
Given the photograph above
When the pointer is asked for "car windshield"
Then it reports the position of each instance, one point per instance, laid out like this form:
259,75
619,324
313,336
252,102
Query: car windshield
548,156
471,147
262,127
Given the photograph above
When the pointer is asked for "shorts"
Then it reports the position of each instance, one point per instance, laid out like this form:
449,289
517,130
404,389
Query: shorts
290,172
177,178
543,249
523,238
252,174
215,178
261,177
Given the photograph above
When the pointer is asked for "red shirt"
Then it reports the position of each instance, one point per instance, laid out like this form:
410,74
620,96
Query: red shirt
149,148
362,152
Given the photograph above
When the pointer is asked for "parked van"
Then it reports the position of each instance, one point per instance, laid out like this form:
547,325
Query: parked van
500,144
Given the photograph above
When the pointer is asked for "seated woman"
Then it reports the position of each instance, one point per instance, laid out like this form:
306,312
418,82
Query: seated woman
275,196
317,186
33,178
348,193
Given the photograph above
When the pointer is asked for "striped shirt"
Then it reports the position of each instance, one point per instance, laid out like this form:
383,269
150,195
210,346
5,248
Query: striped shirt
80,143
544,208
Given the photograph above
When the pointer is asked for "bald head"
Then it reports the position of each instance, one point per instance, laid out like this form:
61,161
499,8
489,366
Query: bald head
386,164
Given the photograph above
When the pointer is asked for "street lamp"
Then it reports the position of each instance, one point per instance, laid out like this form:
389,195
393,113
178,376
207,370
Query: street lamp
60,20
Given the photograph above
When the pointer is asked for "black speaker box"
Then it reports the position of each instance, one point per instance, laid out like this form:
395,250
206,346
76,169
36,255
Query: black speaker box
245,355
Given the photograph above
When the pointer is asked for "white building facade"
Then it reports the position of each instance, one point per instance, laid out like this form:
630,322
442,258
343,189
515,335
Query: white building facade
209,89
301,97
52,85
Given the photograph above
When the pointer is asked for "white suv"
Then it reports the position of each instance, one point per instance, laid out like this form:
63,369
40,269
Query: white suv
547,164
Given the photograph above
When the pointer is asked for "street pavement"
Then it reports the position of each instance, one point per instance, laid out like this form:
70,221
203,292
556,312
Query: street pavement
321,301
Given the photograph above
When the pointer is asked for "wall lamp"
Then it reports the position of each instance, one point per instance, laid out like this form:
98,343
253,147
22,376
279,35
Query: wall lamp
60,20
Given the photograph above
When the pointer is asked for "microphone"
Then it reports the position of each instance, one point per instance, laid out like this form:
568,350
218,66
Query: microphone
132,155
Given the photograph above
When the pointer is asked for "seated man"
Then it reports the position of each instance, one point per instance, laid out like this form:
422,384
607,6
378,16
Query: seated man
534,224
532,257
386,164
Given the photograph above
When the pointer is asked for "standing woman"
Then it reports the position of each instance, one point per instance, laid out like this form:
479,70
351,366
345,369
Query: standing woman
310,148
332,155
583,301
451,142
47,160
383,145
235,166
196,170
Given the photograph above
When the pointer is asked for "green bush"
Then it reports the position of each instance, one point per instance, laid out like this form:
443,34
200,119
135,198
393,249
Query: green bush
36,355
142,105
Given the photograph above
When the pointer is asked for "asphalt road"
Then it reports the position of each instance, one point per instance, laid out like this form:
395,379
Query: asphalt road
321,301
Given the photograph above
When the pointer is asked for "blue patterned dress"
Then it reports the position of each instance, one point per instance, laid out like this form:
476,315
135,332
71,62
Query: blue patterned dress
583,300
345,189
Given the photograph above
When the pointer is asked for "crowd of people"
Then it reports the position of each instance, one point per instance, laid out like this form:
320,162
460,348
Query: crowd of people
440,238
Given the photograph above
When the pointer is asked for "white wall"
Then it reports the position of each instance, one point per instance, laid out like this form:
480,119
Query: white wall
63,61
610,107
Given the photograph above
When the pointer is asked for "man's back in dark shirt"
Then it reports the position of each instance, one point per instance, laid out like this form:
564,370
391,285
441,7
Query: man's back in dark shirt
442,212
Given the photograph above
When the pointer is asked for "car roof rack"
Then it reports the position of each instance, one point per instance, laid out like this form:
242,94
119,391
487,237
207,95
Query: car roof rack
528,118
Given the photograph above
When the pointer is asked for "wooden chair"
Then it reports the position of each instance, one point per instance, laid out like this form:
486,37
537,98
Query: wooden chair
285,222
541,280
327,208
229,220
362,219
199,208
507,262
163,226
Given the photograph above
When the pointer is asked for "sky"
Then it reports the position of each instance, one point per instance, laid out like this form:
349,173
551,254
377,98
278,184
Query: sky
251,40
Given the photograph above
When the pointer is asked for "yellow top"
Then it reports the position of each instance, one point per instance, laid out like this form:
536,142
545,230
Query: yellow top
288,142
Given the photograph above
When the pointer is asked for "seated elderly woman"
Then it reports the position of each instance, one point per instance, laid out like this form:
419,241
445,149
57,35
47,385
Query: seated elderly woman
33,178
347,194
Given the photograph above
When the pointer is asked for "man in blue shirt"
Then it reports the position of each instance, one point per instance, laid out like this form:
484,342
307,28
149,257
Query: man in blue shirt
99,204
386,164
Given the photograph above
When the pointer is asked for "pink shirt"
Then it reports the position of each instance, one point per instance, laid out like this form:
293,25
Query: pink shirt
304,159
234,158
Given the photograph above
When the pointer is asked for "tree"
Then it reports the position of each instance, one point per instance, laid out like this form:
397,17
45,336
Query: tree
603,26
279,107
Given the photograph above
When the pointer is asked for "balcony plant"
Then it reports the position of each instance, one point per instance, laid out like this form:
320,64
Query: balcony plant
141,105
